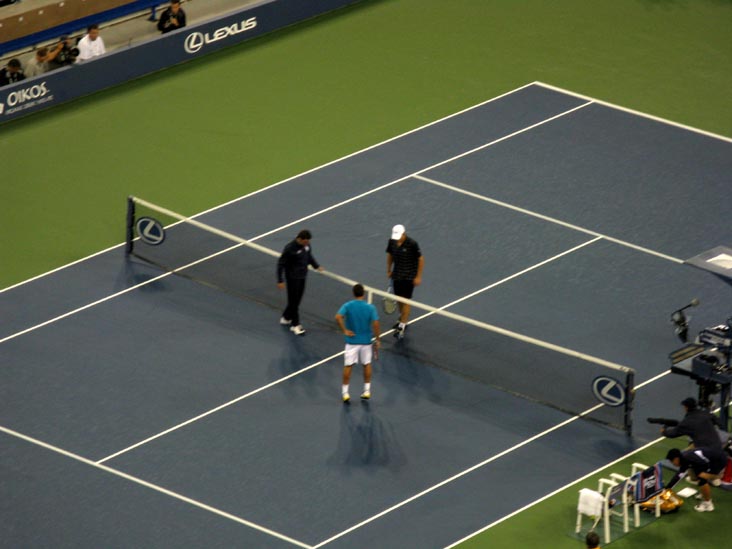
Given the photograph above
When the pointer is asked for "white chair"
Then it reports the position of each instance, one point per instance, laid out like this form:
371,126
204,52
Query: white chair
590,504
610,499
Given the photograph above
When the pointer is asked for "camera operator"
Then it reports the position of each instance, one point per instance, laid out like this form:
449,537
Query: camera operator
172,18
698,424
67,53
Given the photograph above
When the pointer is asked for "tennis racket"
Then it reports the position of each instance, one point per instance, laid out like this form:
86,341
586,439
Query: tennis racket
388,304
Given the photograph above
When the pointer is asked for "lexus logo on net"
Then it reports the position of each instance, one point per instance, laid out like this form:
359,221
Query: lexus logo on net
196,40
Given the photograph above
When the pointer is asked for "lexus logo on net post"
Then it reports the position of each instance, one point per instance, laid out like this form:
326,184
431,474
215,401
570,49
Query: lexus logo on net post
196,40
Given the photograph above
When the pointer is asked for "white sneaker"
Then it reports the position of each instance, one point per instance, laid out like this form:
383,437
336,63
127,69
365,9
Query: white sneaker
284,321
365,395
346,398
704,506
297,330
715,482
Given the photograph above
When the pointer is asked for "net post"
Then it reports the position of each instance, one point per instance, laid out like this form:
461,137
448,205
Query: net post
370,296
629,402
130,232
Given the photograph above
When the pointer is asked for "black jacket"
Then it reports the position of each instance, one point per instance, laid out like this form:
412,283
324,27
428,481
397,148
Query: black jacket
294,261
166,25
700,426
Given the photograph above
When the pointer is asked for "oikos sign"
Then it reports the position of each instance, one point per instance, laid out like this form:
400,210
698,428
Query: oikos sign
197,40
25,98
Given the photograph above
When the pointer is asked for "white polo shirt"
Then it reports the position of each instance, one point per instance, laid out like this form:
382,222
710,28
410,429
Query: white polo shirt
90,48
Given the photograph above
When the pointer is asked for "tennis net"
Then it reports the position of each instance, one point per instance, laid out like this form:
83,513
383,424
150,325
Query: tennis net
533,369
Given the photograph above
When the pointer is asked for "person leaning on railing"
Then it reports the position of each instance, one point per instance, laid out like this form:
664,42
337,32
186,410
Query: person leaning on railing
172,18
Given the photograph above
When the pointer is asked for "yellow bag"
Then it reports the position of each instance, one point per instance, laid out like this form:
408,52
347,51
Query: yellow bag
670,502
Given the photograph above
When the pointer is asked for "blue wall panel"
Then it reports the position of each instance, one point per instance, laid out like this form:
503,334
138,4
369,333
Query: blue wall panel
68,83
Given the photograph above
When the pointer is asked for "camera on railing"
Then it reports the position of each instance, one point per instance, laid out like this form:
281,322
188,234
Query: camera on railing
69,52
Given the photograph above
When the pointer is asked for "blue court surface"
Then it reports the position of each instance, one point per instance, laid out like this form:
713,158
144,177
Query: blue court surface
139,408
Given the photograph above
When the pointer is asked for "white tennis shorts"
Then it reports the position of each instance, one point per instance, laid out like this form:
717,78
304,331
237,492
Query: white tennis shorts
357,353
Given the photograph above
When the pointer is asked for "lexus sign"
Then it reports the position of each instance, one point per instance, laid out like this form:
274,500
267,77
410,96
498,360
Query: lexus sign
197,40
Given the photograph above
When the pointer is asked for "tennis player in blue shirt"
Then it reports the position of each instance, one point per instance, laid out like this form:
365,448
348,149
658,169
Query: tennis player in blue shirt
359,322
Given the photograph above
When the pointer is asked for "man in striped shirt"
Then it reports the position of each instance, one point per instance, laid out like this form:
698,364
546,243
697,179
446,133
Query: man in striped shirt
404,264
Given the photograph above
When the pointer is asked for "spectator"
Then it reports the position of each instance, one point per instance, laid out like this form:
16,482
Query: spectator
12,73
592,540
91,45
172,18
40,62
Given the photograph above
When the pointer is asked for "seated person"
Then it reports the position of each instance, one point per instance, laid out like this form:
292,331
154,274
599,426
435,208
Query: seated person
91,45
706,463
172,18
12,73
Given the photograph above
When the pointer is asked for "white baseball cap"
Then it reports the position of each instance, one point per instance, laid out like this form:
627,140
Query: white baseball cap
397,231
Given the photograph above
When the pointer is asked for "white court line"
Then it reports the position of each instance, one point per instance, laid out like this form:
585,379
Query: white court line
99,463
221,407
554,493
310,216
547,218
328,359
457,476
570,484
490,460
154,487
57,269
536,83
634,112
291,178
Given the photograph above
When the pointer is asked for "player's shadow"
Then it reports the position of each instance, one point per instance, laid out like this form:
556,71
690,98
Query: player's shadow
366,442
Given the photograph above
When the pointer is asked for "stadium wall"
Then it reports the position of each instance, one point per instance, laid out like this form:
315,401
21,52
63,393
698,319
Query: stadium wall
69,83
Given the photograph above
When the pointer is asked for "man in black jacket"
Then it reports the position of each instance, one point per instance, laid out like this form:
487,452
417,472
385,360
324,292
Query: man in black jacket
698,424
172,18
292,268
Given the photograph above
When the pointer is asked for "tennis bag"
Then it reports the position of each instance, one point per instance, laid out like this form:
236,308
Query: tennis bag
670,502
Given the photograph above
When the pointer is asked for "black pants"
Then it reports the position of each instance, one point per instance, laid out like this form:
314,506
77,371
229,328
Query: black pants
295,291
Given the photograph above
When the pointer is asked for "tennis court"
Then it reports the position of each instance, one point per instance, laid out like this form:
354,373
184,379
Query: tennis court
170,413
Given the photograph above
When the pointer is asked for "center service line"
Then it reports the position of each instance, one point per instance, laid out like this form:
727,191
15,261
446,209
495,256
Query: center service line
547,218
